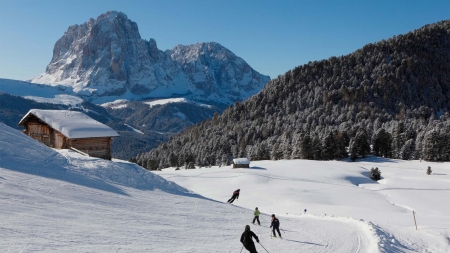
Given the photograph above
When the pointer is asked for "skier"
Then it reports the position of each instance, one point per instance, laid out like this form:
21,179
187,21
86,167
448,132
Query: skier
246,239
235,196
276,226
256,213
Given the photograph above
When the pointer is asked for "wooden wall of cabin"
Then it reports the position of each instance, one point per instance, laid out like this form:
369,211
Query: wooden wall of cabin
96,147
60,141
40,132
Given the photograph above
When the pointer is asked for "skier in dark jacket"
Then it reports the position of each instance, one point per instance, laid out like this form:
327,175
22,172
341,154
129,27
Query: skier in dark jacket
235,196
275,225
246,239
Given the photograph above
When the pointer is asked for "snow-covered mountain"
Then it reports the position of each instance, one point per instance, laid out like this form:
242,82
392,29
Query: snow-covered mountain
107,58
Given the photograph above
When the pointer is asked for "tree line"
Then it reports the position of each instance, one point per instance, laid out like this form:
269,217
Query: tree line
391,97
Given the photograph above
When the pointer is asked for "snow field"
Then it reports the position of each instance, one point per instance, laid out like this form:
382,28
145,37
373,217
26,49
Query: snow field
61,201
341,191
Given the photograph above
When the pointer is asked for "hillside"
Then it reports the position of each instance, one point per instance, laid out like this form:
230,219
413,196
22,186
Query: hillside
60,201
393,94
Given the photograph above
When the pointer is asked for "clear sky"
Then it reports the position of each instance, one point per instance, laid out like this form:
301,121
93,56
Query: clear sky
272,36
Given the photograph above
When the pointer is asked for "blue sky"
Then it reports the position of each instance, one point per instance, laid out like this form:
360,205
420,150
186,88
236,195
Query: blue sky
272,36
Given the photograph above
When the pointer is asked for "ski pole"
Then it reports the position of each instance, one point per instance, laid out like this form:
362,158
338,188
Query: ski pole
242,248
263,247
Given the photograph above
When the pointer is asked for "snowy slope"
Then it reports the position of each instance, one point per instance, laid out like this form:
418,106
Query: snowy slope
40,93
60,201
341,191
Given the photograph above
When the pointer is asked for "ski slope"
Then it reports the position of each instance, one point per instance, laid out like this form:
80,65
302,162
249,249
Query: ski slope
339,192
61,201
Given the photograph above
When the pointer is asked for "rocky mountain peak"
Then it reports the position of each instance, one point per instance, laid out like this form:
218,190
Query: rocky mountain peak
106,58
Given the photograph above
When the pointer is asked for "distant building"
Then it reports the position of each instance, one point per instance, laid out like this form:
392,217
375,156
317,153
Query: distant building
241,163
64,129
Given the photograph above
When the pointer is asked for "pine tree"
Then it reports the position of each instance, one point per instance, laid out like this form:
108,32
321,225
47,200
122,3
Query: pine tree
429,170
173,160
152,164
360,145
306,147
341,139
382,145
316,148
329,147
408,150
375,174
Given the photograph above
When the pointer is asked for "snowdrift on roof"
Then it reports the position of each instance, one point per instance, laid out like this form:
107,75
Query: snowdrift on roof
72,124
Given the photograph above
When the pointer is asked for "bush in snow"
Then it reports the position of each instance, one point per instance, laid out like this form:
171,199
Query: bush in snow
375,174
429,170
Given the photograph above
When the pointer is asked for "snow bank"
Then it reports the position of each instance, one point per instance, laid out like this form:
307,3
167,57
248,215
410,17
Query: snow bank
19,152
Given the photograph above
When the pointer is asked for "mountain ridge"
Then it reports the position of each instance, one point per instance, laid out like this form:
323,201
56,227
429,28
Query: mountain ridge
106,57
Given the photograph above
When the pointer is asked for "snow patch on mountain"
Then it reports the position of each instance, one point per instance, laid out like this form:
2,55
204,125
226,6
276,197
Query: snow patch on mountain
40,93
166,101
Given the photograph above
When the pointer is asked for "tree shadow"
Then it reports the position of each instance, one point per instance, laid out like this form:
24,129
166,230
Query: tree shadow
311,243
364,179
256,168
376,159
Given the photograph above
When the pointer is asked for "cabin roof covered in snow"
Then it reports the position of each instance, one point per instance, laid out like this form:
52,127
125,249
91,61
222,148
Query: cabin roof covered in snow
72,124
241,161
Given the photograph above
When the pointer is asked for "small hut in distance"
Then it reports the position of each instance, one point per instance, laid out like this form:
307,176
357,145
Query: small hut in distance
241,163
64,129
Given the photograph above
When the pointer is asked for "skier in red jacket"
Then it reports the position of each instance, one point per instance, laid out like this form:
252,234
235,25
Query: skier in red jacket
235,196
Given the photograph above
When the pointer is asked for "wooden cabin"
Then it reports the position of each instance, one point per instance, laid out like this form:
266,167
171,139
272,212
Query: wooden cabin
64,129
241,163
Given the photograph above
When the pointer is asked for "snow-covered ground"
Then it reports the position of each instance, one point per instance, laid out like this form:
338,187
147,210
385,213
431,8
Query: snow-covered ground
40,93
61,201
341,192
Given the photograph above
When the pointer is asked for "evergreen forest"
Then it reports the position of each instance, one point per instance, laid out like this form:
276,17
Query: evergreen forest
390,99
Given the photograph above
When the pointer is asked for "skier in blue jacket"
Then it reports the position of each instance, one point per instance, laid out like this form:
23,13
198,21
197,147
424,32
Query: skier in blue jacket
275,225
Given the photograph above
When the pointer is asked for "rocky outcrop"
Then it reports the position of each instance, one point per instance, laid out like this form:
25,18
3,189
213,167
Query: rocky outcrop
107,57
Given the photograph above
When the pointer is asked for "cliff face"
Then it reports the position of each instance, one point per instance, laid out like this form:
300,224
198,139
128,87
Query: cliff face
107,57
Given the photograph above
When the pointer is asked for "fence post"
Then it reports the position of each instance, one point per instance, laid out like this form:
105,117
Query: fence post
415,219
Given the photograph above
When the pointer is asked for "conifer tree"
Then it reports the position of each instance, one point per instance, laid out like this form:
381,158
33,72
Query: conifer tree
382,145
